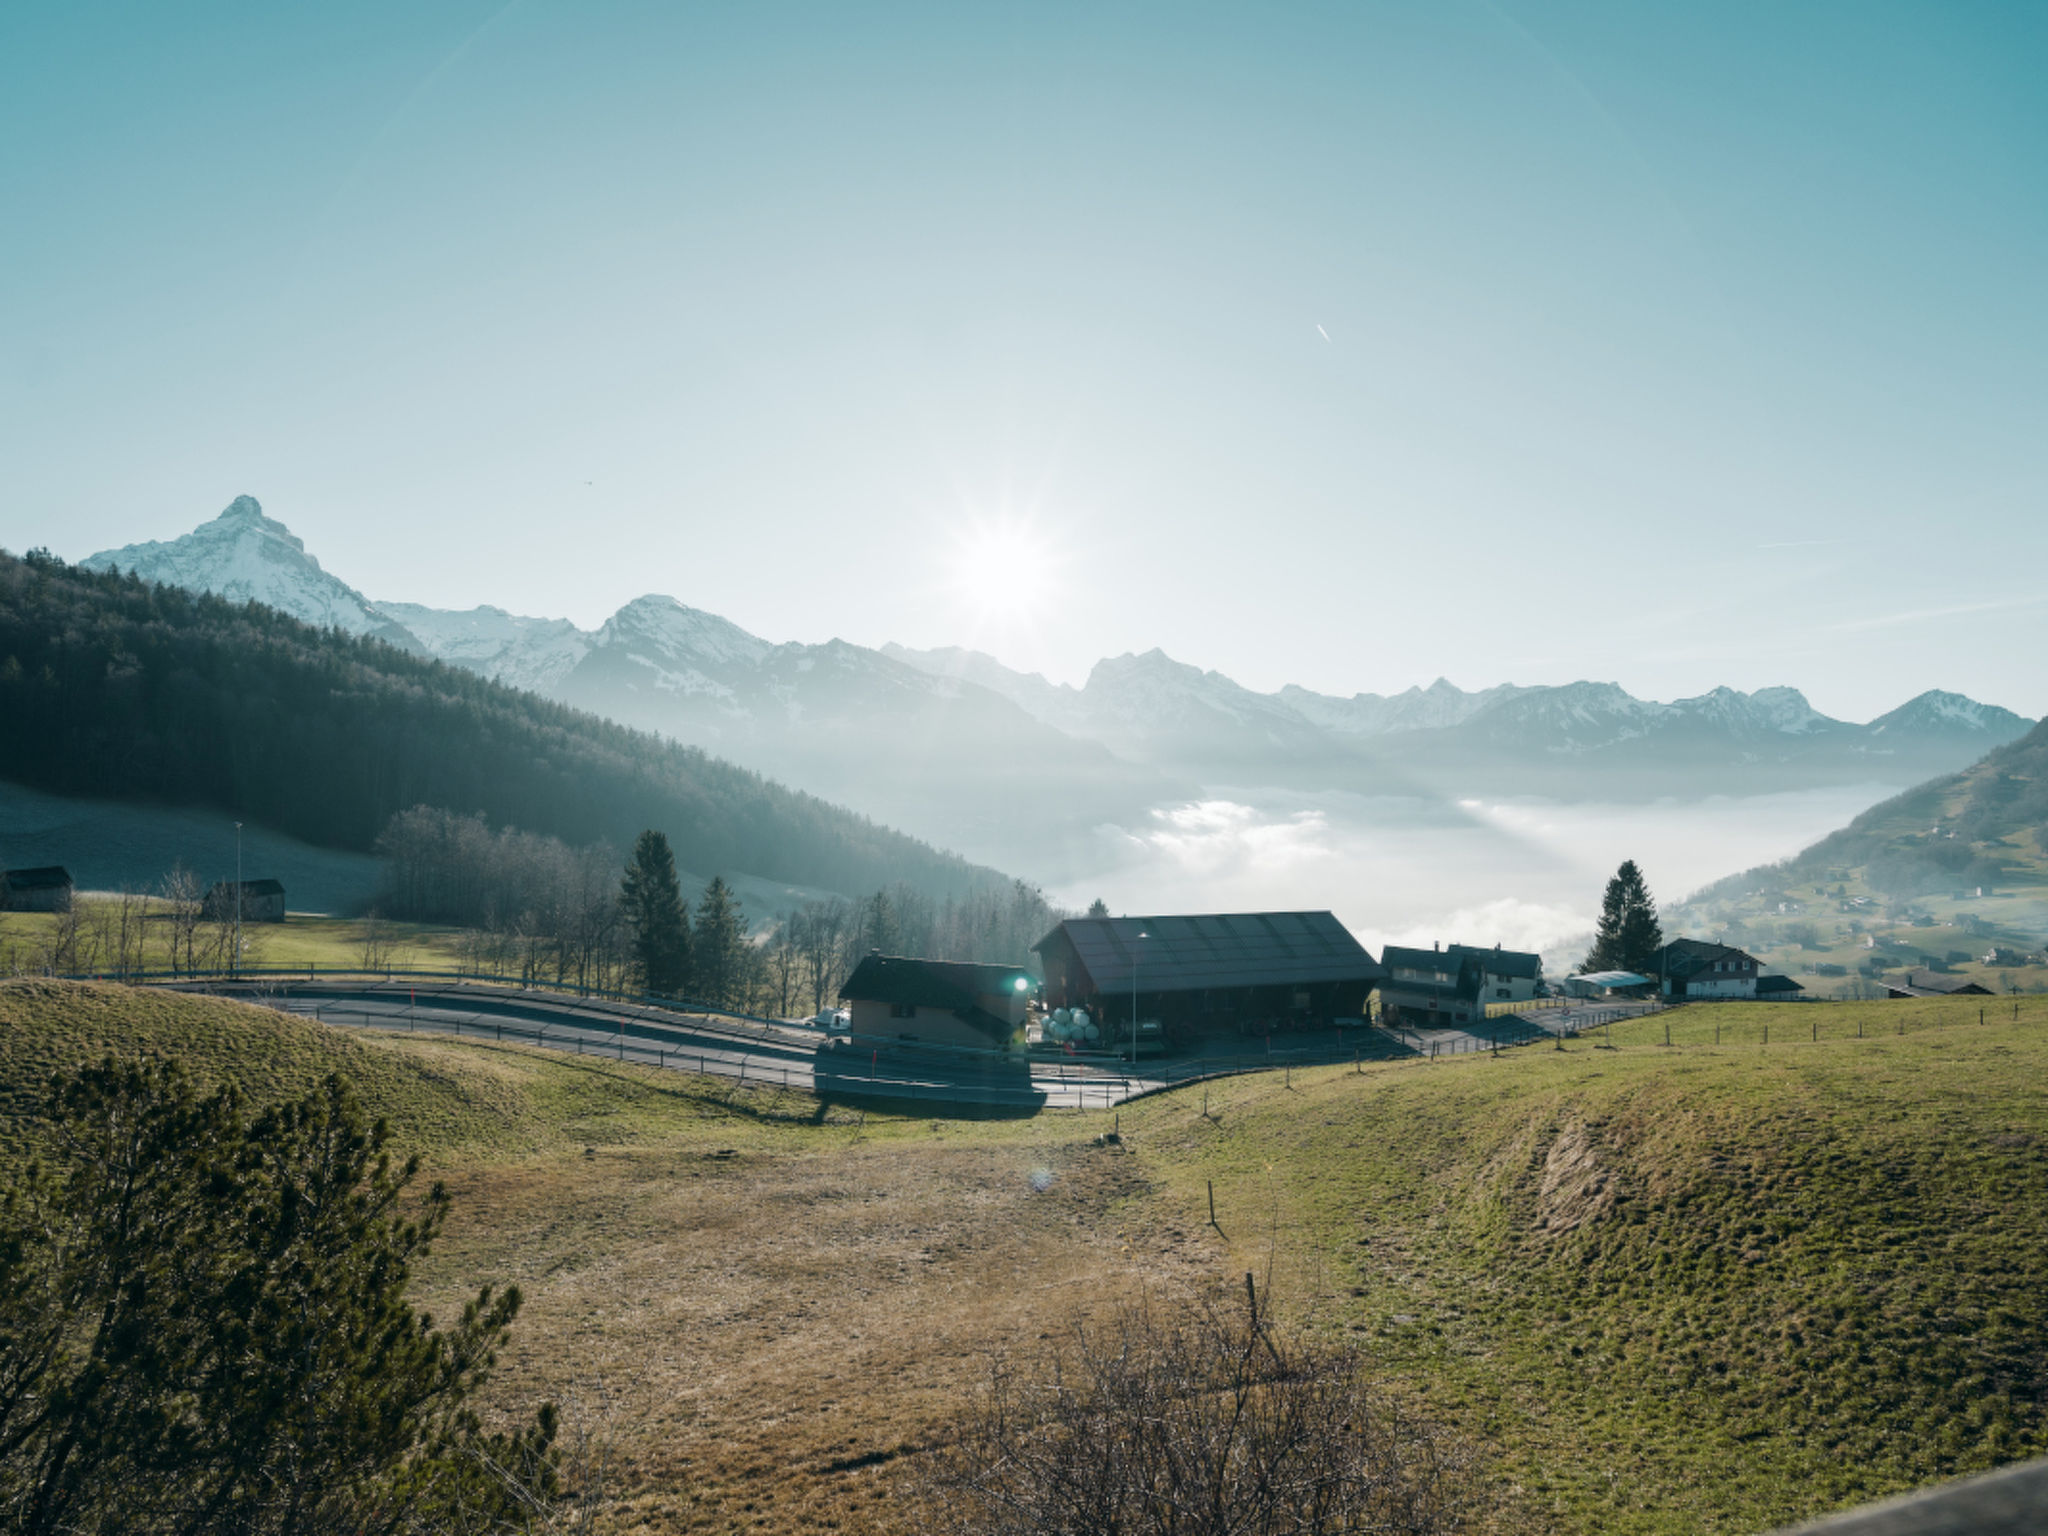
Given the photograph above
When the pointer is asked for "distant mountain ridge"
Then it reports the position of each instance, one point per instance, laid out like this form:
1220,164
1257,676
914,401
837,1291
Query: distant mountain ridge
138,693
962,749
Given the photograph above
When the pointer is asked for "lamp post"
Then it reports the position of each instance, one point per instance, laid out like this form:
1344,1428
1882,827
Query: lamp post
235,964
1134,1000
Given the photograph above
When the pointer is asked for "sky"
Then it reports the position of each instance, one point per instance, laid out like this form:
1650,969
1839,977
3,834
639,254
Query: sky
1345,345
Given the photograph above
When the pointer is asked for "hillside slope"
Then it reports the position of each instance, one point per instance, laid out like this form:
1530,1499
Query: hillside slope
115,689
1704,1287
1675,1290
1953,873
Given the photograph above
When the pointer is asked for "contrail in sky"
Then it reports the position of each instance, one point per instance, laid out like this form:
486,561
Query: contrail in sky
1323,333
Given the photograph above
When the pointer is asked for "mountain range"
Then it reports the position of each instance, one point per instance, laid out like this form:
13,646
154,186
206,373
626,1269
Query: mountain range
955,746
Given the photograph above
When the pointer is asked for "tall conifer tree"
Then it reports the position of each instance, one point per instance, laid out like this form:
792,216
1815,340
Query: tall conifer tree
720,948
1629,934
653,903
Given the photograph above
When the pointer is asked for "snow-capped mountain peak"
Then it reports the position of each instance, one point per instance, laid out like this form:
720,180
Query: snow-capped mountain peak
1937,712
245,557
677,633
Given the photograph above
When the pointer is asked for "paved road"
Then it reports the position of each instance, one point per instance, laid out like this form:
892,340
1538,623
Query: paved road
796,1057
782,1055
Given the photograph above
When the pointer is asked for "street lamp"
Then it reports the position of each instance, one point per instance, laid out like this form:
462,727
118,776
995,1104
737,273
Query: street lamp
235,964
1134,1000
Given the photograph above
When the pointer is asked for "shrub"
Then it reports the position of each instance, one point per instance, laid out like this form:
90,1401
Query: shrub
203,1328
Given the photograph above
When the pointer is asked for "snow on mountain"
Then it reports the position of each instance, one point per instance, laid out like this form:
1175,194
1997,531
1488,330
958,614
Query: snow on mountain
1440,705
509,648
246,557
1937,713
662,628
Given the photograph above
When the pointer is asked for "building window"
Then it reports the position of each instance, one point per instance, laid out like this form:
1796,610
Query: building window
1503,992
903,1010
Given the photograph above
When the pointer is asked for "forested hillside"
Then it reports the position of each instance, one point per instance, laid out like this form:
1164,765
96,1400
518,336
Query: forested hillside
113,688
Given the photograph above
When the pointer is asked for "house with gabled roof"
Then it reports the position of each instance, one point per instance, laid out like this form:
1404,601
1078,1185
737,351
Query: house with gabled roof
937,1002
1701,969
1431,987
1505,975
260,901
1210,973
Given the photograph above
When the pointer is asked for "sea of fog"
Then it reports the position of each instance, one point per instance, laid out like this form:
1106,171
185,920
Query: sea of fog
1525,873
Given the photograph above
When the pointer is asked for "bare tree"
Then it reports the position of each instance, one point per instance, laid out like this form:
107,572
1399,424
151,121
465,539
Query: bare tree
182,904
1197,1422
375,942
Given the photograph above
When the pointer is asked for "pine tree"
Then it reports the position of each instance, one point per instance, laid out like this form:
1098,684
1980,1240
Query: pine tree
653,903
719,951
1629,934
205,1326
1098,908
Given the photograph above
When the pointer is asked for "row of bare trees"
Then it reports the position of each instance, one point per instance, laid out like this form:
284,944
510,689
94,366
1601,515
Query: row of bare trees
129,932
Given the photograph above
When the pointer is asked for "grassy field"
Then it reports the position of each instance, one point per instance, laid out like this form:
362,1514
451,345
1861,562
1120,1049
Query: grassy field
331,943
1679,1288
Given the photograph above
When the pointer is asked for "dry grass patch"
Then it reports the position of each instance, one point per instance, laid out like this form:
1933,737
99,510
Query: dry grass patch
765,1335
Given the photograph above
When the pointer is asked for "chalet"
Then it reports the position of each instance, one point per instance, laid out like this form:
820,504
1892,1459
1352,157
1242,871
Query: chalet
1932,984
47,889
938,1002
1431,986
262,901
1695,968
1208,973
1505,975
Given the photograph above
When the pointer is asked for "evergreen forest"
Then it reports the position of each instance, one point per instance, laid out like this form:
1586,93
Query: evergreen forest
113,688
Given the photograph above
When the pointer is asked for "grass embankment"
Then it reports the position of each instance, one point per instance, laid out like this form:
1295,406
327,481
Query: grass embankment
1693,1288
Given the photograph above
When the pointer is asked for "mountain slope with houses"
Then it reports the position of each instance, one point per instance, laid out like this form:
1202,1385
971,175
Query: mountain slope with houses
1951,876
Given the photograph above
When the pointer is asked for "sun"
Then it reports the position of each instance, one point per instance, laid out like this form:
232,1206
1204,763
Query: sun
995,561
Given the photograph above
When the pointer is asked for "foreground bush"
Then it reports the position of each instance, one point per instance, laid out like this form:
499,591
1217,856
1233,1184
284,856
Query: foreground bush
203,1328
1201,1422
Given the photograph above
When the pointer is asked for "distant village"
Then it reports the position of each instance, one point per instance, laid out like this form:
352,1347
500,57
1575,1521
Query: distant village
1187,983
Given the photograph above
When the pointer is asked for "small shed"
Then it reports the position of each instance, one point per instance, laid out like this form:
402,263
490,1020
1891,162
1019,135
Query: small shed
1777,989
44,889
1605,983
938,1002
262,901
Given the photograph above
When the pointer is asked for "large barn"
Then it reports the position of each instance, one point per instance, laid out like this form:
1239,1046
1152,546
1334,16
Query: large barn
1210,973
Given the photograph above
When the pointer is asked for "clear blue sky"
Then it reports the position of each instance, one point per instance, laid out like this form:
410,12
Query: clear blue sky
1673,345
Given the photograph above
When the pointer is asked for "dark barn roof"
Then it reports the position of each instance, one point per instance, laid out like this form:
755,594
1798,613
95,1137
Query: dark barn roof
1767,985
1448,961
1684,957
1936,984
1213,950
46,877
928,983
249,888
1502,962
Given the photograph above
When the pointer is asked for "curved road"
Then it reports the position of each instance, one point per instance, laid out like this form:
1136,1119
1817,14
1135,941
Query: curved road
782,1055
